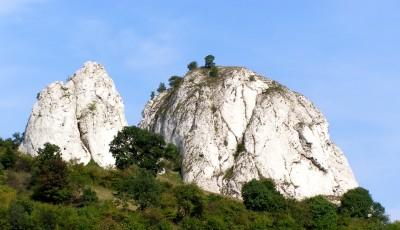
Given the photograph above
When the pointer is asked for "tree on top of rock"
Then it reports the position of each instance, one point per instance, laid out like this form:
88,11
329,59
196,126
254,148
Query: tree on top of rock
161,88
209,61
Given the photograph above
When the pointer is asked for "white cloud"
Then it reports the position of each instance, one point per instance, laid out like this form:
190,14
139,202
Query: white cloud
8,7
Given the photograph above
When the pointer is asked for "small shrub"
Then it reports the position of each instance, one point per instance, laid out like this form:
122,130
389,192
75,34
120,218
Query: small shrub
89,197
175,81
92,107
161,88
192,65
213,72
240,147
228,173
141,187
7,195
18,180
213,109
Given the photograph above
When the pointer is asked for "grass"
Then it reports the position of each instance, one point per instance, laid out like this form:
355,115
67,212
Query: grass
103,193
173,178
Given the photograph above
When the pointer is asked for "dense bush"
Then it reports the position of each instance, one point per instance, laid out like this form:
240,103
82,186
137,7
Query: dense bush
190,200
141,187
192,65
8,158
261,195
161,88
359,203
321,213
175,81
213,72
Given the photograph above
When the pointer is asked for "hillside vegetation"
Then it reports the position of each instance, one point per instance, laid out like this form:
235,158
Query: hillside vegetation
145,191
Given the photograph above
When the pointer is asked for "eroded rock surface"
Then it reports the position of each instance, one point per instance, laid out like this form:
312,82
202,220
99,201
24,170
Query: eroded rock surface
241,126
81,116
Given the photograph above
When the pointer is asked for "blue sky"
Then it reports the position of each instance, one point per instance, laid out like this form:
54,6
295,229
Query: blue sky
341,54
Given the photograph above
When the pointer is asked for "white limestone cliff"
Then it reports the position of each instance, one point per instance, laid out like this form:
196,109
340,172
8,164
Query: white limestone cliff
241,126
81,116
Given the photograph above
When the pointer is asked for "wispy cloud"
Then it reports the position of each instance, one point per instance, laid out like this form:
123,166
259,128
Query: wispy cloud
8,7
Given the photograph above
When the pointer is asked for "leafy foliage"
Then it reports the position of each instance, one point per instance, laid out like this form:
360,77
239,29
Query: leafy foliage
192,65
8,158
141,187
161,88
261,195
175,81
321,213
135,198
136,146
213,72
190,200
209,61
51,178
359,203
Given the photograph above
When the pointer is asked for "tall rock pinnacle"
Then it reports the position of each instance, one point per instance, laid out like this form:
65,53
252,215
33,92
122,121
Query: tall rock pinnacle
81,116
241,126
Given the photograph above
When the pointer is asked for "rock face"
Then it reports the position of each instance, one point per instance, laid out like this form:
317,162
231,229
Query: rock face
81,116
241,126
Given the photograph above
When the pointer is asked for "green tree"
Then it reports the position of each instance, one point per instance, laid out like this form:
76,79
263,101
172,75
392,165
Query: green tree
8,158
20,215
145,149
359,203
209,61
321,213
17,139
190,200
141,187
192,65
175,81
261,195
50,179
152,95
161,88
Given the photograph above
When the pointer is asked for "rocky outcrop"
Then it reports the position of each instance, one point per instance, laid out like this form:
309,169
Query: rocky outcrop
81,116
241,126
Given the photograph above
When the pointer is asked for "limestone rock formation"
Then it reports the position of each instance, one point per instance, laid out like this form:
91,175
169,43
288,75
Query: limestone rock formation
241,126
81,116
